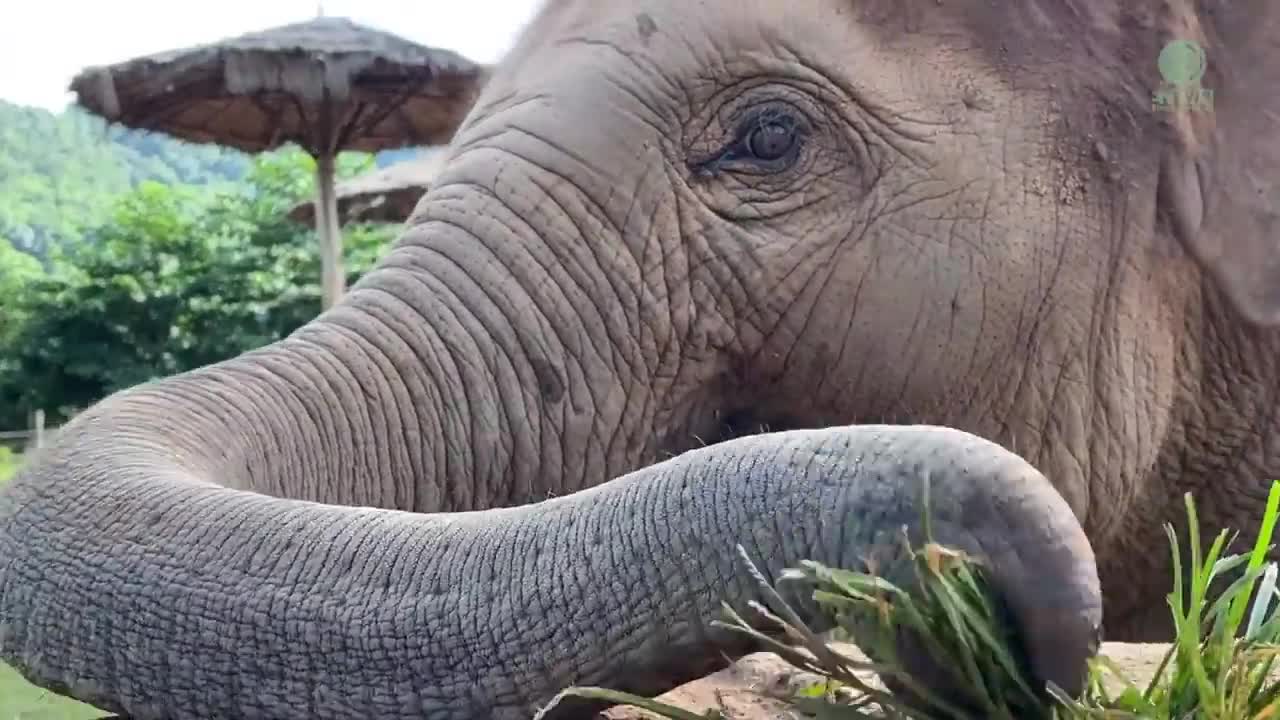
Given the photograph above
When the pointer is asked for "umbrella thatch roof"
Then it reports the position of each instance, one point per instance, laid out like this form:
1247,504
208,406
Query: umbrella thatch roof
261,90
388,194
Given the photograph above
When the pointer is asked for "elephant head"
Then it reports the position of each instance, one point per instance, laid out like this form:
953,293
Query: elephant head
665,224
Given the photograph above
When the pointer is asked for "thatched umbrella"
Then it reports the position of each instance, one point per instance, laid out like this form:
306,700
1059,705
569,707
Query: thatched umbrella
327,84
387,194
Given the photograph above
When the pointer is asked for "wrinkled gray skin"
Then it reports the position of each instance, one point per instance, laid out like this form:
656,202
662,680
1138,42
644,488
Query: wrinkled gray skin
982,224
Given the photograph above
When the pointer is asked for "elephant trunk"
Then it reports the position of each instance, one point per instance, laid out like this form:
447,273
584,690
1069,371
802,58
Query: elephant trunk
461,373
146,590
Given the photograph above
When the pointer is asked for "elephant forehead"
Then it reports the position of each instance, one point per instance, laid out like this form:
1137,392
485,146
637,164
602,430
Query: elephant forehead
924,60
1010,35
1048,62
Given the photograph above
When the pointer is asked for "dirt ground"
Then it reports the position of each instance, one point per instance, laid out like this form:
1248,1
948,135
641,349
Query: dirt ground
742,690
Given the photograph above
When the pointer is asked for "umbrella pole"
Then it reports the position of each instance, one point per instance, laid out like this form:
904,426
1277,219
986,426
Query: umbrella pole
332,277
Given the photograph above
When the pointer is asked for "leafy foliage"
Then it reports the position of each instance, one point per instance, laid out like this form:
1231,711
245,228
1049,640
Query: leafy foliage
17,270
175,278
59,174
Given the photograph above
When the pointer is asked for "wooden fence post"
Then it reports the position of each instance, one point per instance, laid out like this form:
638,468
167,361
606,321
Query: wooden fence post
38,429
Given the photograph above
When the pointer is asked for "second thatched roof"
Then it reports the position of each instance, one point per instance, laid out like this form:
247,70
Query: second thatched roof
388,194
261,90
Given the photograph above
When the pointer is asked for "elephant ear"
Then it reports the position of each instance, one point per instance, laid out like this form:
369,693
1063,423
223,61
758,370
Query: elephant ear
1221,183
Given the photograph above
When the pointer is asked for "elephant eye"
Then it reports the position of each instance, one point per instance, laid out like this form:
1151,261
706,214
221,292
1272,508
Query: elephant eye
766,141
771,139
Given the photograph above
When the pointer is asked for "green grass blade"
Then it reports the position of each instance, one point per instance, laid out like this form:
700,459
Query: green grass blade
1266,592
1260,547
621,698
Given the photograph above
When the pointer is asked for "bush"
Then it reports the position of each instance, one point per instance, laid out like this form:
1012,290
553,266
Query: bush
176,278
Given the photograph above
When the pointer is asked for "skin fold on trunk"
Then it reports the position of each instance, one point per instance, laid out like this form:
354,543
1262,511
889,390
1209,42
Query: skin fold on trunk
264,607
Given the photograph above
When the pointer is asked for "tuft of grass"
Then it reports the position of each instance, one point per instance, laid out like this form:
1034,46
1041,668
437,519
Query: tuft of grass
1212,670
9,463
20,700
1220,666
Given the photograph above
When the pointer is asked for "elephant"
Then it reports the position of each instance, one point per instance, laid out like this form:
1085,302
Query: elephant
698,276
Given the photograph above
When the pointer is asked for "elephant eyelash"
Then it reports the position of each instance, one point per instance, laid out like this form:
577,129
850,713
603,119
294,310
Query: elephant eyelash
765,115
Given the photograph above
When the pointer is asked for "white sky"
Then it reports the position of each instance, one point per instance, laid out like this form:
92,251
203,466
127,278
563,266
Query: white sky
44,43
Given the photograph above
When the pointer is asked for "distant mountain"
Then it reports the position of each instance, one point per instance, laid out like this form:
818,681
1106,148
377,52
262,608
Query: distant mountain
60,172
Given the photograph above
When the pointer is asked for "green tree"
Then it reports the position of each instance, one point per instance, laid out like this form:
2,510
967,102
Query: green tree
61,171
18,272
178,277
